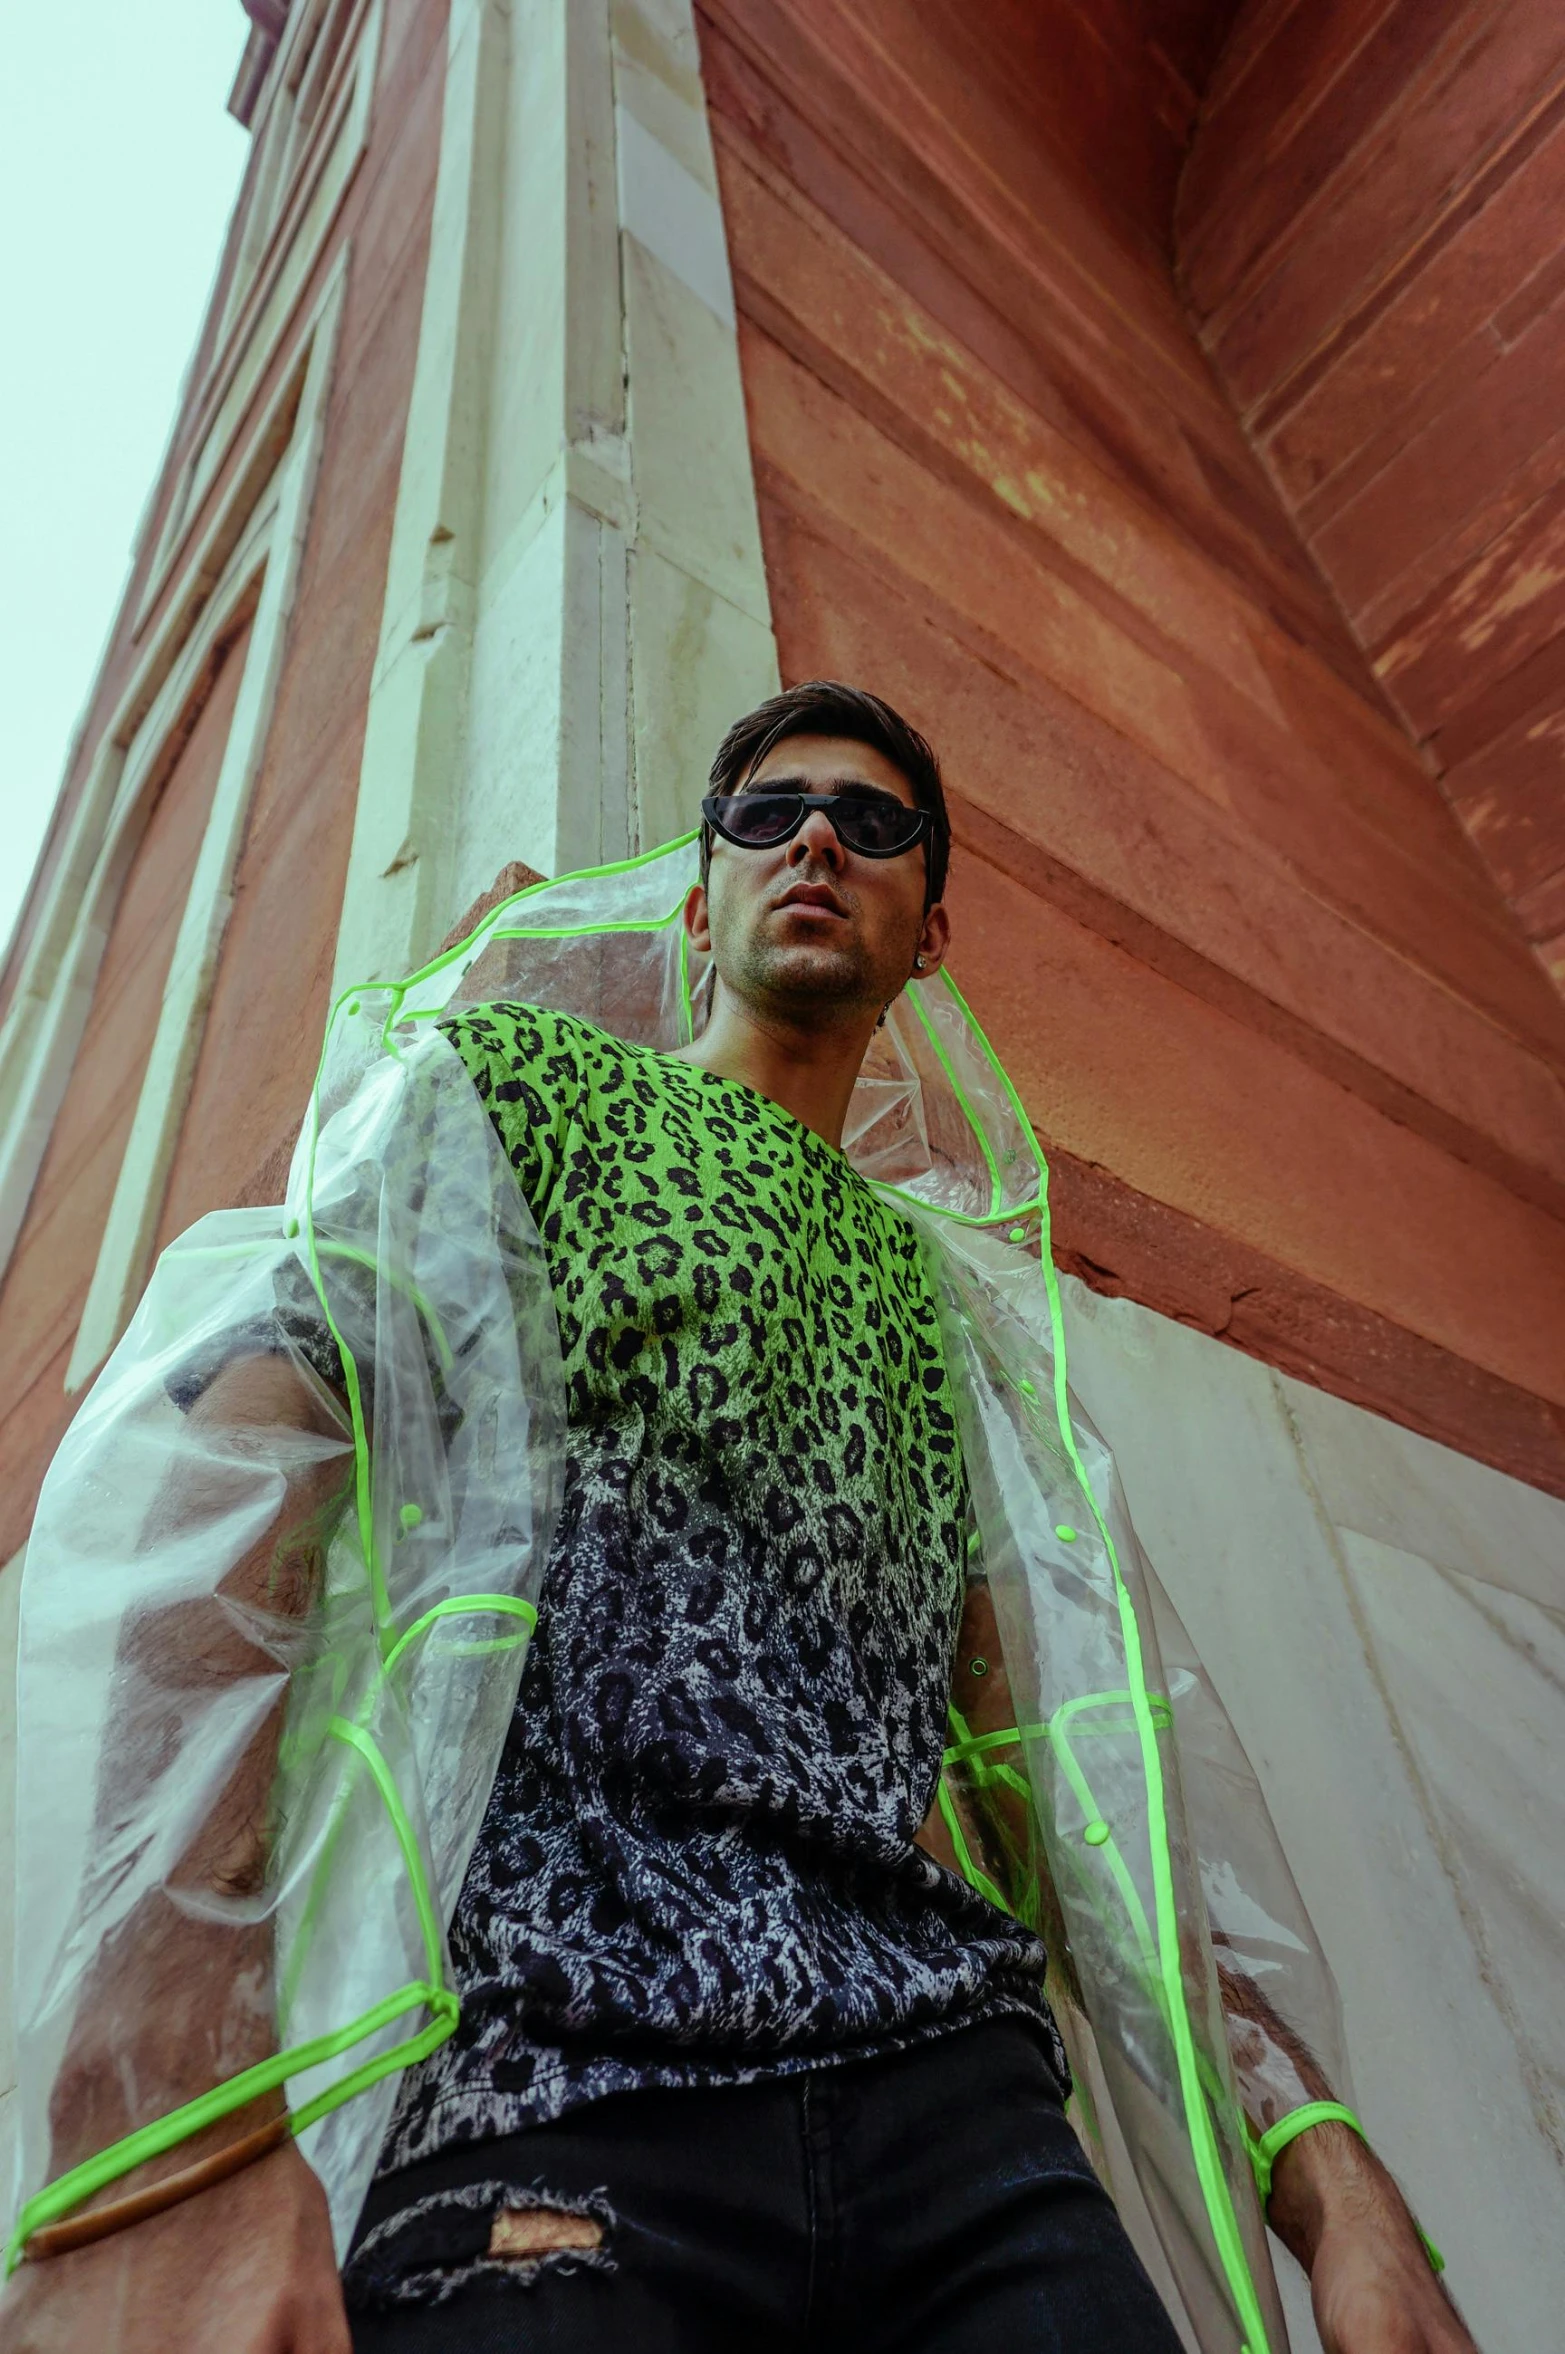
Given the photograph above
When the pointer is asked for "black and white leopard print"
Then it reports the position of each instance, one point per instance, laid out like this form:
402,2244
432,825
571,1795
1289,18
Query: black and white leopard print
697,1864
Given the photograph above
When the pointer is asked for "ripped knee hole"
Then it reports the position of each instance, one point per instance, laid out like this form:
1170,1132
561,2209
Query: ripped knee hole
520,2235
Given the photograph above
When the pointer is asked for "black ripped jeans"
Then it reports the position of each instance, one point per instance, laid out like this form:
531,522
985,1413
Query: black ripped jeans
934,2202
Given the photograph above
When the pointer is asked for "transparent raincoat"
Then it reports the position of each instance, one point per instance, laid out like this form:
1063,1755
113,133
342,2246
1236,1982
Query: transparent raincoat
331,1608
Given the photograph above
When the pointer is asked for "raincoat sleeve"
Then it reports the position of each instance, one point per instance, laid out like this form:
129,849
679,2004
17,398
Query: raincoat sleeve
274,1612
1279,2001
1187,1982
1281,2010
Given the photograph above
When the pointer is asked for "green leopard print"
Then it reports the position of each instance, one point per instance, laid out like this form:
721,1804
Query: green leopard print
698,1861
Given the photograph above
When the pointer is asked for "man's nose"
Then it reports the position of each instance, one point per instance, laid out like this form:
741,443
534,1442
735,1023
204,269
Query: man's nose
816,839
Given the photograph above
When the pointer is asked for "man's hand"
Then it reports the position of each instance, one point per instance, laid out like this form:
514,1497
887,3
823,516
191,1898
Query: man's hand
1374,2291
246,2267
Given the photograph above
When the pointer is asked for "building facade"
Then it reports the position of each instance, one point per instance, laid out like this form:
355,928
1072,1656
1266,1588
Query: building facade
1155,401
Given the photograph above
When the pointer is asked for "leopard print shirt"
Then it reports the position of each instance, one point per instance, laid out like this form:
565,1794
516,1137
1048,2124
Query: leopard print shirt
697,1865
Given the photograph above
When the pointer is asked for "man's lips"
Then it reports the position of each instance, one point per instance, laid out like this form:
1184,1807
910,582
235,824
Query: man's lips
813,899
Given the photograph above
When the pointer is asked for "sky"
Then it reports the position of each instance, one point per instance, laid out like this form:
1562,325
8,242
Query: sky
118,170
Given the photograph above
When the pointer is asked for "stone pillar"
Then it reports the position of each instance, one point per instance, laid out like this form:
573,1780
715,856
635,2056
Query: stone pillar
576,601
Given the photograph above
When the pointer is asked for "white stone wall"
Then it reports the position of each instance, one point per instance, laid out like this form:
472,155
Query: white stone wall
1386,1622
576,601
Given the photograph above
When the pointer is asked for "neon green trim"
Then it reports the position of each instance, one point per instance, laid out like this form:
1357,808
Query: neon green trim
581,874
1266,2148
401,1283
340,1250
166,2133
1004,1077
1038,1201
972,1872
966,1747
1162,1711
1034,1201
969,1747
1096,1831
957,1217
342,1728
996,1188
454,1606
469,1606
1198,2121
687,1019
1165,1954
639,923
447,2011
976,1744
380,1599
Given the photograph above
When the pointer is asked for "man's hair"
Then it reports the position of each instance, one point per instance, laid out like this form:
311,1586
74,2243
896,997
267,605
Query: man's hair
825,707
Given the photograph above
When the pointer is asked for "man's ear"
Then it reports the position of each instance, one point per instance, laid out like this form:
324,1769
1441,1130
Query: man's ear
933,941
698,923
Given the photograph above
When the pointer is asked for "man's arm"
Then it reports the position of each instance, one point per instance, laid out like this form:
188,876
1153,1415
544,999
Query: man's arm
1334,2206
178,2001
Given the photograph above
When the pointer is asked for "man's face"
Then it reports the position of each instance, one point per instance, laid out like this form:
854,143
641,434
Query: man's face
811,926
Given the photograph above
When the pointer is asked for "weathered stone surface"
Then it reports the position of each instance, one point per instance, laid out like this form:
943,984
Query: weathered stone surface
1222,926
1371,238
1381,1616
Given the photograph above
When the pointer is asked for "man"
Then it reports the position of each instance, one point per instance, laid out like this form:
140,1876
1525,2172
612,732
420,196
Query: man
738,2061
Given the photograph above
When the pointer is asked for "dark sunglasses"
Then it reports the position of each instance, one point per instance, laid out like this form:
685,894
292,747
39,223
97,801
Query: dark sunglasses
872,824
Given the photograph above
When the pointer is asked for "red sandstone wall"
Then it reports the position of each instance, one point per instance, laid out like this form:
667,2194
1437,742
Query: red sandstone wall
45,1286
1300,1075
1110,87
269,1007
1372,236
263,1032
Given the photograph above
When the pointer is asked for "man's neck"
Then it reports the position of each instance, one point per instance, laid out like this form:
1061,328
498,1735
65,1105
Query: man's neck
809,1069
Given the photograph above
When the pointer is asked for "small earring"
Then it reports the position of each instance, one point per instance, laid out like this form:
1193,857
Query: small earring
918,964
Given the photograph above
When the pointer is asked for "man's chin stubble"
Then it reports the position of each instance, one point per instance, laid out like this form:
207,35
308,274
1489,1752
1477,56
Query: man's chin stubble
806,976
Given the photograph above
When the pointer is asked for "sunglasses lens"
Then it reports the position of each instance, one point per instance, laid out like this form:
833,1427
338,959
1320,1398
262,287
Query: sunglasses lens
874,824
876,827
758,818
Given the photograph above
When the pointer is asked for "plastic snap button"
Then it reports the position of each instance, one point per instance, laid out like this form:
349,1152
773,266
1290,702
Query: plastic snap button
410,1515
1026,1387
1017,1234
1067,1536
978,1667
1095,1834
291,1229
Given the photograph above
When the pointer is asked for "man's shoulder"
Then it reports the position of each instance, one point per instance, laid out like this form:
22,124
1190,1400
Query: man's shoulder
523,1032
537,1056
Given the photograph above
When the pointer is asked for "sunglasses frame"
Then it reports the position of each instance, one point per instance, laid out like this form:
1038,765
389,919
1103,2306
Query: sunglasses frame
829,802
